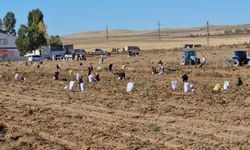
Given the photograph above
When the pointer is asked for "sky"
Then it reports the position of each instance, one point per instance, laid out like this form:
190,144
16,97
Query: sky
64,17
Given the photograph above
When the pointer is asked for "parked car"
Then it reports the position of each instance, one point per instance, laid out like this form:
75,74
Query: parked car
78,54
133,50
98,51
192,46
35,58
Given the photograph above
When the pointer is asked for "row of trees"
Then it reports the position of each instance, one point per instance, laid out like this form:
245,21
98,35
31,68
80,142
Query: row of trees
32,35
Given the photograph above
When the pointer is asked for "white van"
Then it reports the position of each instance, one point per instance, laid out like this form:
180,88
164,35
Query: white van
35,58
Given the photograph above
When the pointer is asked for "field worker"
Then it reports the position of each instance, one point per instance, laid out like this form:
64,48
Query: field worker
160,62
184,78
56,75
38,66
80,81
91,68
239,81
101,59
123,66
203,61
58,67
110,68
161,69
77,57
97,77
121,75
91,78
70,72
154,71
21,77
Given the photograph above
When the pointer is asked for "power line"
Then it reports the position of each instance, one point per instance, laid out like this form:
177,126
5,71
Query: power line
208,34
159,30
107,32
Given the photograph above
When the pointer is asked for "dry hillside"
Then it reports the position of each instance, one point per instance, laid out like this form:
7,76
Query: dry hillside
148,39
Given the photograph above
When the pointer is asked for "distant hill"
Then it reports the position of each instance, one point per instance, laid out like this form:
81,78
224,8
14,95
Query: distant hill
171,32
148,39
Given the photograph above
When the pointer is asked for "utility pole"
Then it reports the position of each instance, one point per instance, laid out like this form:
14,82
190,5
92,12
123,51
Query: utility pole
159,30
208,34
107,32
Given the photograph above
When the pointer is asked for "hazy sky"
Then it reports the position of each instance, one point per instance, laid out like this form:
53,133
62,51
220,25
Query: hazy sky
71,16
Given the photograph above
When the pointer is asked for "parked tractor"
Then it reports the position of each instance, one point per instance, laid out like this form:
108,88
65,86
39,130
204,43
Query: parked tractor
189,58
240,58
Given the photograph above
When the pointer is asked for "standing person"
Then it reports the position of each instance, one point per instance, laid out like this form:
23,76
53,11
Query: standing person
90,69
58,67
101,59
57,72
56,75
80,82
184,78
110,68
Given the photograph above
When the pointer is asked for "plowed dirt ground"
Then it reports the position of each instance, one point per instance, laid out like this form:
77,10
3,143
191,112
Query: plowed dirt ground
39,114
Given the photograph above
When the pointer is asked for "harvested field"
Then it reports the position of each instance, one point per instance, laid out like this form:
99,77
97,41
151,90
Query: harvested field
39,114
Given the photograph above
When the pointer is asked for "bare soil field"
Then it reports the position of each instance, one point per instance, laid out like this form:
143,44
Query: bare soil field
39,114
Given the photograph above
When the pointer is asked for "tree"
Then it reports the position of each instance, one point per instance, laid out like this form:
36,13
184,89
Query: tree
55,41
35,17
36,30
35,38
10,23
22,40
1,24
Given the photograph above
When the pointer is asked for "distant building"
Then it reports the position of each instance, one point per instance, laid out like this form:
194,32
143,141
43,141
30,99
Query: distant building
50,51
8,50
